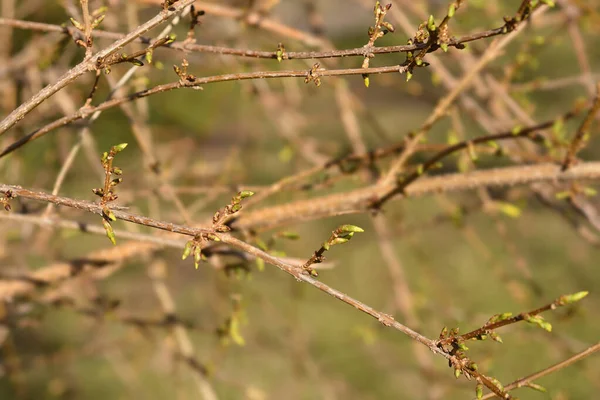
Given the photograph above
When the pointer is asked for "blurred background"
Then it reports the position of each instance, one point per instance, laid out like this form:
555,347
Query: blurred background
135,321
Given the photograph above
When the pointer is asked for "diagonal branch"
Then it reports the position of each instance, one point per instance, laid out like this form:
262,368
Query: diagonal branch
88,65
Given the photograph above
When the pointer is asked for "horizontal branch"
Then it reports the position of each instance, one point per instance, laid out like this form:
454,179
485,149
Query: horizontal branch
194,82
274,55
361,200
355,201
96,208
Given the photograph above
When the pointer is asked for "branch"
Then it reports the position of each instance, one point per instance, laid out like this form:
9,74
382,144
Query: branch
546,371
361,200
87,65
195,82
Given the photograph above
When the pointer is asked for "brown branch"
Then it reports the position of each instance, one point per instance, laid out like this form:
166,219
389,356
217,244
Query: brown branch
582,132
546,371
273,55
193,82
88,65
492,325
361,200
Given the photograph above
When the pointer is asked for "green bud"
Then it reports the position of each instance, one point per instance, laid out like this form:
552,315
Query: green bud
431,23
509,209
213,237
350,228
111,215
260,264
505,316
444,332
118,148
187,250
338,240
197,256
539,321
535,386
451,10
495,337
516,130
245,193
171,39
479,391
109,231
98,21
571,298
76,24
289,235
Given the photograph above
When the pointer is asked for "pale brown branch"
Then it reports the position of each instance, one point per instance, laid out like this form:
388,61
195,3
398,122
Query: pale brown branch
360,200
546,371
88,65
193,82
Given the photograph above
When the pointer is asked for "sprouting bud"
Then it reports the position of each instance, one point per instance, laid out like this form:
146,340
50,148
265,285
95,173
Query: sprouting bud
539,321
504,316
245,193
236,207
350,228
118,148
495,337
98,21
451,10
187,250
457,373
116,181
213,237
109,214
116,171
431,23
76,24
462,346
537,387
571,298
197,256
260,264
98,192
171,39
338,240
444,332
289,235
479,391
109,231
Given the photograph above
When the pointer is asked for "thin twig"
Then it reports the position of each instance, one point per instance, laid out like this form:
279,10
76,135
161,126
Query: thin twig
85,66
